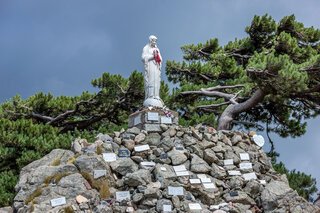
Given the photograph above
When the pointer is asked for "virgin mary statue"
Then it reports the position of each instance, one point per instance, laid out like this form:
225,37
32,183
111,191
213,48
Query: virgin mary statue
152,62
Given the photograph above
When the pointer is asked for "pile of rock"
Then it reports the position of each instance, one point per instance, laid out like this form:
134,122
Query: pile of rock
179,169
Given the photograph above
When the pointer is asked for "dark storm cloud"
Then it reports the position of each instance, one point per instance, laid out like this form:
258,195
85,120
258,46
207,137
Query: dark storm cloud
58,46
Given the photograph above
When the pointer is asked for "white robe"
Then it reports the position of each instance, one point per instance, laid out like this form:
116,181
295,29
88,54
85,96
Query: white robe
152,72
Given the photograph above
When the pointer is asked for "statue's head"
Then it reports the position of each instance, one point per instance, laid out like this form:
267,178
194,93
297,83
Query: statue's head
153,40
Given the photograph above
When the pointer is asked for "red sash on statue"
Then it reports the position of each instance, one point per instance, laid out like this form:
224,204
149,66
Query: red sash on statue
157,56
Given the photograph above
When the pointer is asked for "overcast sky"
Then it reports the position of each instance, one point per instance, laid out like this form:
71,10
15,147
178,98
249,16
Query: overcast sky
58,46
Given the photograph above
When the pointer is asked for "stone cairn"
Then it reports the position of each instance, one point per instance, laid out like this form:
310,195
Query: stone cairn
170,169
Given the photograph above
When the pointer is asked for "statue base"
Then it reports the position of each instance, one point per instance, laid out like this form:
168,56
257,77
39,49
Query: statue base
156,102
151,118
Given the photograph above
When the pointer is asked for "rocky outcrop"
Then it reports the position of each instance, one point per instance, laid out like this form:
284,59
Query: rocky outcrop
180,169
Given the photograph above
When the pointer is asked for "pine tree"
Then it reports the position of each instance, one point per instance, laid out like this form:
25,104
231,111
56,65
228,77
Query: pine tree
271,77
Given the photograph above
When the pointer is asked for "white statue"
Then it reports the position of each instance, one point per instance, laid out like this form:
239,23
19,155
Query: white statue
152,62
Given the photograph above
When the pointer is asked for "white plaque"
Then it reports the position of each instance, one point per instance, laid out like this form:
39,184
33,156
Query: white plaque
214,207
244,156
163,169
58,201
245,166
263,182
259,140
153,116
123,195
141,148
223,204
166,120
137,120
234,172
221,168
109,157
209,185
183,173
180,168
167,208
175,190
99,173
195,181
205,180
145,163
201,176
194,206
228,162
249,176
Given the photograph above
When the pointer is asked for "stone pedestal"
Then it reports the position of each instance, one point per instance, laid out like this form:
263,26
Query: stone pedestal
150,119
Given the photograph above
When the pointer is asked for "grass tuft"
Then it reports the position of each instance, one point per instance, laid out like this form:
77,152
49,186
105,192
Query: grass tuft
35,194
68,209
56,162
99,150
102,185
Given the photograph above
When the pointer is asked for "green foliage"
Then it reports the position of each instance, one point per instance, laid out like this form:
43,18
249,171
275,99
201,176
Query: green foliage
280,59
303,183
8,180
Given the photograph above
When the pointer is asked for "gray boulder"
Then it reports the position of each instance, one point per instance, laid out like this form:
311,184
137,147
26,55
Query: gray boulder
124,166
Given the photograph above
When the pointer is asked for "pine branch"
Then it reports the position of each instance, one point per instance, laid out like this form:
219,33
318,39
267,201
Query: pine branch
213,105
64,115
205,77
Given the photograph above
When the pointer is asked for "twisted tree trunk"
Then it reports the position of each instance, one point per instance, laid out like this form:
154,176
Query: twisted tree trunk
231,112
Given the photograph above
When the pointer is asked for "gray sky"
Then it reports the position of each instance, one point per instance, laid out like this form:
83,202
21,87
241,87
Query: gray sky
58,46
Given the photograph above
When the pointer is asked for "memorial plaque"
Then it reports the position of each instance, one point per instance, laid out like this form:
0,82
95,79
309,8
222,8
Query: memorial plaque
234,172
201,176
58,201
109,157
153,116
163,169
195,181
167,208
166,120
205,180
123,153
223,204
180,168
249,176
164,156
122,195
175,190
221,168
130,209
194,206
214,207
183,173
245,166
234,193
137,120
244,156
209,185
179,149
263,182
145,163
259,140
126,137
99,173
141,148
228,162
